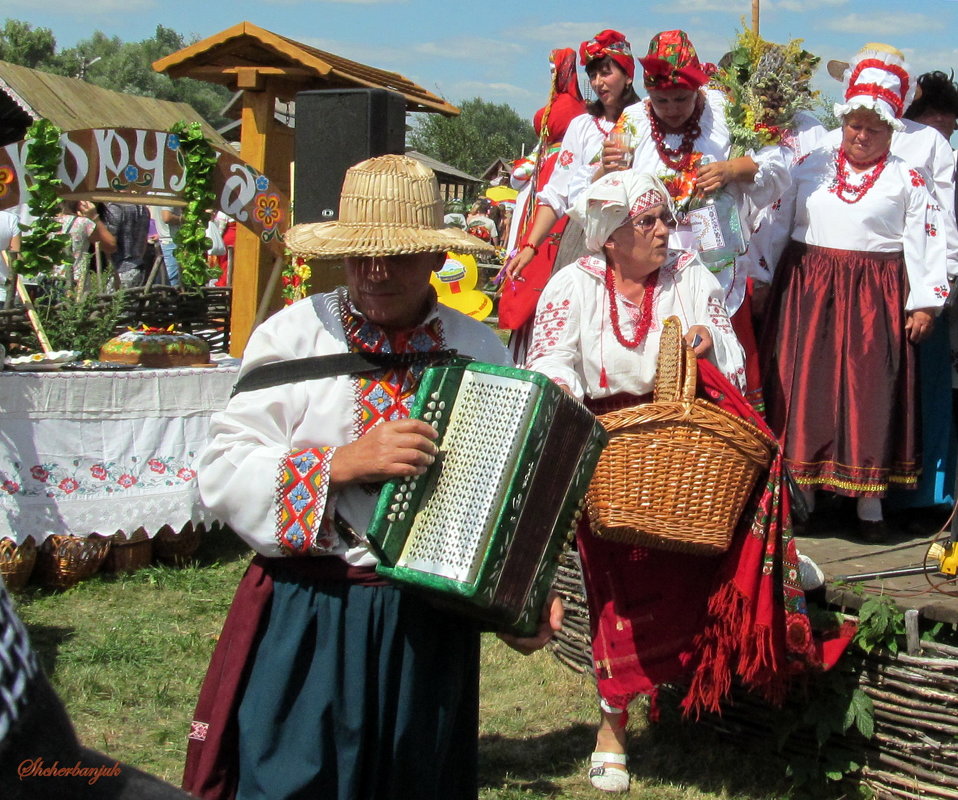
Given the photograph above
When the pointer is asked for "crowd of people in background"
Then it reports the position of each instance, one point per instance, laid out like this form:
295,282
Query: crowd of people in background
113,246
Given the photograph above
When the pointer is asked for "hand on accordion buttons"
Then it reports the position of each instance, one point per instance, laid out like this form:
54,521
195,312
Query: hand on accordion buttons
394,449
549,623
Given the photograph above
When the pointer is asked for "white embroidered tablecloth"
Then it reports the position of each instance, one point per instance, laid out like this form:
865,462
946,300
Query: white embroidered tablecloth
104,452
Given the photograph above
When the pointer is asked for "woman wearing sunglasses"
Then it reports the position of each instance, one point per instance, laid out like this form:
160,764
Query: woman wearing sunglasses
596,334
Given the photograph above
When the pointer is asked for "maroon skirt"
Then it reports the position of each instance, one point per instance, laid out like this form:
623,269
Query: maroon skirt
840,375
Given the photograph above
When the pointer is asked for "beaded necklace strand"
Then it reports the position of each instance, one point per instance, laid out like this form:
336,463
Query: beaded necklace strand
843,187
678,159
645,310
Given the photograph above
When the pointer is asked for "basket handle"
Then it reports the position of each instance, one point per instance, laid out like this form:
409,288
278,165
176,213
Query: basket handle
677,368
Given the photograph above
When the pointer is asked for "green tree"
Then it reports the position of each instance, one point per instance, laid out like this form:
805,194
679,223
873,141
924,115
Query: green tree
480,134
21,43
113,64
128,67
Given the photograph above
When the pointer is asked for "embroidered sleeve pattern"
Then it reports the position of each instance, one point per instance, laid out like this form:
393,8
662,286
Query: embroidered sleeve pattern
302,491
718,316
549,322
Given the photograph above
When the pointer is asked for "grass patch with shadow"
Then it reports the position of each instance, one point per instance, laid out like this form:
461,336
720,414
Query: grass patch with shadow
127,654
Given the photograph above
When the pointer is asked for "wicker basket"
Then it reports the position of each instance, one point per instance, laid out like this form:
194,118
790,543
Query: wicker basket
128,554
678,471
63,561
16,562
176,549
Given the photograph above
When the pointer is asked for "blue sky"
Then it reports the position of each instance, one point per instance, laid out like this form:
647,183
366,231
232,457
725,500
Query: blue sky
498,50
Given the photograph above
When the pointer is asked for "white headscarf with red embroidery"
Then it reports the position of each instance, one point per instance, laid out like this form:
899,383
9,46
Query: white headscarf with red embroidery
613,200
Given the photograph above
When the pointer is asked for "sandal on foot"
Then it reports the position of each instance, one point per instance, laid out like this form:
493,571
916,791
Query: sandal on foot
609,778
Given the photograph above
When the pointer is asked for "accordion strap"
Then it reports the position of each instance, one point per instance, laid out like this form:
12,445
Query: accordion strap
294,370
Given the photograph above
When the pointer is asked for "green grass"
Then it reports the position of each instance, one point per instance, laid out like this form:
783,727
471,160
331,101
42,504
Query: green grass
127,654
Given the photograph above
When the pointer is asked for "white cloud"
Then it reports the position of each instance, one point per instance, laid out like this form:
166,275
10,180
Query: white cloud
82,8
333,2
487,90
695,6
865,25
570,32
802,5
464,48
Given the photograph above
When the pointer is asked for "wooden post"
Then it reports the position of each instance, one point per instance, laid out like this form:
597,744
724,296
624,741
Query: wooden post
251,259
755,15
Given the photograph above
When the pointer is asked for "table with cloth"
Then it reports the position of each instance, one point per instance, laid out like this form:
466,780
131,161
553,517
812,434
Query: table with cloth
85,452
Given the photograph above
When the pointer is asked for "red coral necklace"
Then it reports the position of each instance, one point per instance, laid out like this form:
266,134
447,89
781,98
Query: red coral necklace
645,310
843,187
680,158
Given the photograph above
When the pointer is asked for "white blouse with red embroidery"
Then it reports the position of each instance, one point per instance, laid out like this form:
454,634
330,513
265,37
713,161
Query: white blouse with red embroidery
896,215
578,159
573,342
265,471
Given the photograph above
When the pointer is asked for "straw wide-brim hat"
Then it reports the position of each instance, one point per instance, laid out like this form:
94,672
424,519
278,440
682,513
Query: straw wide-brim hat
390,205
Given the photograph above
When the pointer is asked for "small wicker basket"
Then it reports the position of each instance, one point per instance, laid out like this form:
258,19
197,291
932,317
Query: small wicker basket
16,562
678,471
176,549
128,554
63,561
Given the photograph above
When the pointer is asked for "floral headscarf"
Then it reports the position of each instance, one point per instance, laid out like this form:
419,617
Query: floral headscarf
612,44
672,63
565,80
612,200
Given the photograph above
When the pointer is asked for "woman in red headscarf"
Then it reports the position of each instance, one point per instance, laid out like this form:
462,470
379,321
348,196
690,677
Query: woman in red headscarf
681,123
551,122
610,66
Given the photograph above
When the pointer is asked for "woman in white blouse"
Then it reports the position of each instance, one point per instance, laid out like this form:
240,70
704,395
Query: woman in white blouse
609,63
861,273
596,334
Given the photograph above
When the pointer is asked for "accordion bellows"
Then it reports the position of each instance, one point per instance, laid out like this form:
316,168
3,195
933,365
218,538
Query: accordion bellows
482,530
678,471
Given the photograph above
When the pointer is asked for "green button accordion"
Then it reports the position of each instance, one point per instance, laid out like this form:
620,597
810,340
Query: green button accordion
482,530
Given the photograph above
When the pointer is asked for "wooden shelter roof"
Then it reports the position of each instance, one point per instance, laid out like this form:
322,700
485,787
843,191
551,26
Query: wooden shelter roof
244,53
73,104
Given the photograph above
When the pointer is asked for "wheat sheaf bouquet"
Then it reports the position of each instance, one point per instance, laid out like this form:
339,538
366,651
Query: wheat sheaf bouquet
766,83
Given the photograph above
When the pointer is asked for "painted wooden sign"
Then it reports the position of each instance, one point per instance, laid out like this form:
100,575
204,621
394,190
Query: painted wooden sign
133,165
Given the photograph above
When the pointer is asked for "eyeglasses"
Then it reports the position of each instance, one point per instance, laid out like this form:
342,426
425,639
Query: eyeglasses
646,222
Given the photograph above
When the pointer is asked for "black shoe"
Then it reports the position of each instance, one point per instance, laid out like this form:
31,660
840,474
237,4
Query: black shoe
872,531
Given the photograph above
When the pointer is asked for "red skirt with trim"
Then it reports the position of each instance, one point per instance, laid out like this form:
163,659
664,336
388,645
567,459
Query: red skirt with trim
841,385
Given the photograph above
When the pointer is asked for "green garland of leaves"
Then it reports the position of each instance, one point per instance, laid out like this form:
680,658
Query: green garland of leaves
192,243
44,244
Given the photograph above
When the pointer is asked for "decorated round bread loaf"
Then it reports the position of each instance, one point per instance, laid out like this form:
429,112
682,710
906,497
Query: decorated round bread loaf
156,348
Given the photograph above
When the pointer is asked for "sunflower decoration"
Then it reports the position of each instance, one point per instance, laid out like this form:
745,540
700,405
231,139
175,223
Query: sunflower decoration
766,83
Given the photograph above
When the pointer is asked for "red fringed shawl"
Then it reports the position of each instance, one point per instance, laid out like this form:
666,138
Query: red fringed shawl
658,616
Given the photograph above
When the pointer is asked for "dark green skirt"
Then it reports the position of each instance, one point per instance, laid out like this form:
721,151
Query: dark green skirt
359,692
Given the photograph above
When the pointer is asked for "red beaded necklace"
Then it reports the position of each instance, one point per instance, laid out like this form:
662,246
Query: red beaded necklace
645,310
843,187
680,158
605,133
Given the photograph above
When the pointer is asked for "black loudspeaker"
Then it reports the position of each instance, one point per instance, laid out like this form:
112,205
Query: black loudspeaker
336,128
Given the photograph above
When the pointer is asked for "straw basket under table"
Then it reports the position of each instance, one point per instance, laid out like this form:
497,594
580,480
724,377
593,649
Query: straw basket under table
17,562
128,553
63,561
